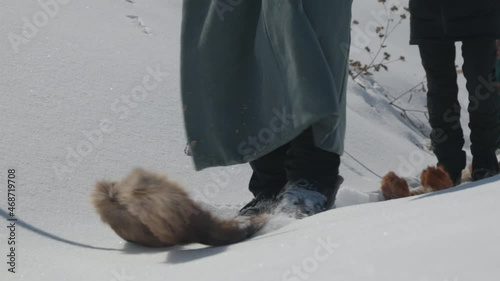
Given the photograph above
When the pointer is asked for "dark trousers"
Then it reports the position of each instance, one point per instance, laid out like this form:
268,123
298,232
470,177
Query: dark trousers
498,91
298,159
438,59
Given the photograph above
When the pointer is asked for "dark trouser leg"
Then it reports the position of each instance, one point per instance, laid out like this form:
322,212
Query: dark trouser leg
299,159
438,60
497,68
306,161
479,70
269,175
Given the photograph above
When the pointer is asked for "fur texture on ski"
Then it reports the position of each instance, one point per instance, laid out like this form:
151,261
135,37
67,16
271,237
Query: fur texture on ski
431,179
148,209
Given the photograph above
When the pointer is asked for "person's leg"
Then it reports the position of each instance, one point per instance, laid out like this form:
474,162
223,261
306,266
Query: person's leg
313,172
438,60
300,177
479,70
268,179
306,161
498,94
313,178
497,69
269,175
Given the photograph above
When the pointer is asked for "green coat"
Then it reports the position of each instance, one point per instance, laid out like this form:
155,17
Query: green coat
256,73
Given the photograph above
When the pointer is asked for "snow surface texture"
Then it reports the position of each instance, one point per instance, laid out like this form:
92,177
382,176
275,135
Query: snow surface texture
73,112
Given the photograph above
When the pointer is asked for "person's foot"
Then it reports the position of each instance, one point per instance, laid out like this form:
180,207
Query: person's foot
260,204
484,166
302,198
454,165
480,174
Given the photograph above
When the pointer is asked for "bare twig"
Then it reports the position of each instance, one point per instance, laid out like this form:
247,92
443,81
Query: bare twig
407,92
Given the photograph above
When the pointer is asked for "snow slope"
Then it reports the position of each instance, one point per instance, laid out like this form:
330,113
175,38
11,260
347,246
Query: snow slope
71,115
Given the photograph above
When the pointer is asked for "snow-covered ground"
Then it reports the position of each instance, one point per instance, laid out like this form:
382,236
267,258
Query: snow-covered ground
72,113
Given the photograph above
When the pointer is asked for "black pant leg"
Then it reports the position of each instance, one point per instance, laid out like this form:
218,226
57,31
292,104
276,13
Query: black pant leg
299,159
306,161
438,60
269,175
479,70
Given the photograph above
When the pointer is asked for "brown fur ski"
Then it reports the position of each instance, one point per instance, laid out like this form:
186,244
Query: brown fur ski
431,179
149,209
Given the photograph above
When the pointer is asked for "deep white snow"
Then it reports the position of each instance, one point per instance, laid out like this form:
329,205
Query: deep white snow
71,114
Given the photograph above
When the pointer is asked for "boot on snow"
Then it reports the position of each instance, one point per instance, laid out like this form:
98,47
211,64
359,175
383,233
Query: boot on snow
302,198
484,166
260,204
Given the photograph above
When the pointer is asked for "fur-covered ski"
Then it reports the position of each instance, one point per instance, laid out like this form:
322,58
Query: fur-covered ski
431,179
149,209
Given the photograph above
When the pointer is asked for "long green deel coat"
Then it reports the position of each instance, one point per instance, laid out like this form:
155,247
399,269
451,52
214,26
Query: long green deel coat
256,73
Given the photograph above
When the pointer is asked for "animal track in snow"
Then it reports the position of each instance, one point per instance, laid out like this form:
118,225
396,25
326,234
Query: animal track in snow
138,21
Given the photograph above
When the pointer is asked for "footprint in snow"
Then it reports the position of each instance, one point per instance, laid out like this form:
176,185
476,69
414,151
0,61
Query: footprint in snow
138,21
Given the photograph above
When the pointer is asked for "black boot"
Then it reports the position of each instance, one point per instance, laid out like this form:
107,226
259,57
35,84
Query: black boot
313,178
261,204
302,198
268,179
484,166
279,176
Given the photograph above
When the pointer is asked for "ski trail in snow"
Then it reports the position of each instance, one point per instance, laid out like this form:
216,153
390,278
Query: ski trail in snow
349,196
51,236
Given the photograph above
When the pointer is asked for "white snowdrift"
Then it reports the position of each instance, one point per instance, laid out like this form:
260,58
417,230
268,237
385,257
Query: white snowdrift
450,235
